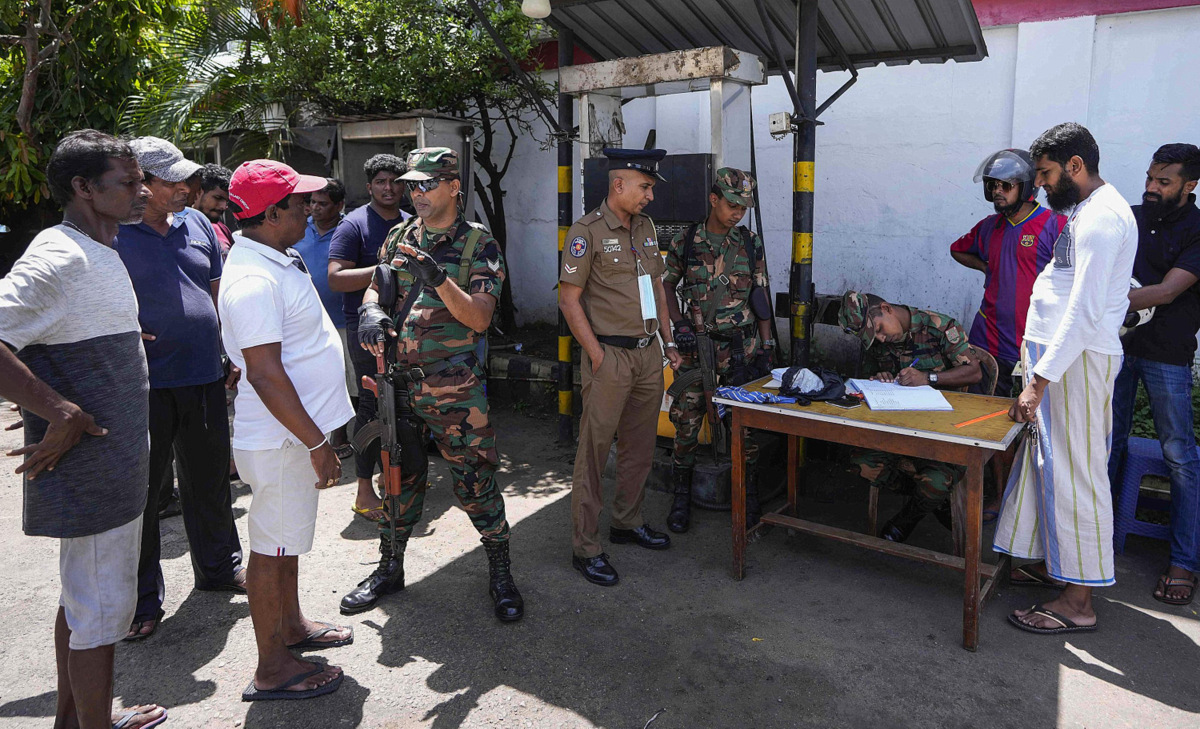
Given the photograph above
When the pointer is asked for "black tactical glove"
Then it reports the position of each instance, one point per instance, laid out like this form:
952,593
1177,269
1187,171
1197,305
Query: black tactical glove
426,270
762,363
373,324
685,338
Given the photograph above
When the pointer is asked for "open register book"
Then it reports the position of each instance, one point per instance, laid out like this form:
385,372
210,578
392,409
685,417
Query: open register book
891,396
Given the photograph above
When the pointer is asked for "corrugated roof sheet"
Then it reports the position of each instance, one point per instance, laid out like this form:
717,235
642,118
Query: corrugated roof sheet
867,32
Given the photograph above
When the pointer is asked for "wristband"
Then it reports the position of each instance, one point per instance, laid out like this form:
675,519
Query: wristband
323,442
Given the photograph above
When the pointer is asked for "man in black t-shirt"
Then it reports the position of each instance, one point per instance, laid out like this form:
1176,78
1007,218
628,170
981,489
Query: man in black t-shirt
1160,352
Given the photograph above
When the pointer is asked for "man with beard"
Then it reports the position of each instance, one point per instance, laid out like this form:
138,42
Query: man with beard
1160,352
1010,248
353,255
72,359
214,201
611,295
174,261
447,275
1057,506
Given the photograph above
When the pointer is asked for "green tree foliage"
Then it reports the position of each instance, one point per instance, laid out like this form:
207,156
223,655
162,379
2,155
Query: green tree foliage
88,57
235,66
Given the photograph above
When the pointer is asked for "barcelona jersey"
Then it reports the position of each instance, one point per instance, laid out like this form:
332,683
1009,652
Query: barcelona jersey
1015,253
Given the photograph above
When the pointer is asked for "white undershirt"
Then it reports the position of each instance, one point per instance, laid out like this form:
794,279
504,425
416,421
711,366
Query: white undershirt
1080,299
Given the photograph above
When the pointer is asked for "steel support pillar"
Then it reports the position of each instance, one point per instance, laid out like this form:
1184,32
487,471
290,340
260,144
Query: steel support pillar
800,283
566,374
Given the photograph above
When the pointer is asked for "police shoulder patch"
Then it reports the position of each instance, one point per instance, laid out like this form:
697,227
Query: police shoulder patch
578,246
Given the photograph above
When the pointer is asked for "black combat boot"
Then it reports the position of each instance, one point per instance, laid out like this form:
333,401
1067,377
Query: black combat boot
508,604
387,578
753,509
945,515
900,527
681,508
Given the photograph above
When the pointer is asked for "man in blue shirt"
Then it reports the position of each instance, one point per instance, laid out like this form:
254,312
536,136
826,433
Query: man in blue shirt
174,261
353,255
325,208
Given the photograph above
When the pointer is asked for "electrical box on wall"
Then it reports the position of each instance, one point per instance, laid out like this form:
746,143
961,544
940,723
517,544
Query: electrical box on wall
678,202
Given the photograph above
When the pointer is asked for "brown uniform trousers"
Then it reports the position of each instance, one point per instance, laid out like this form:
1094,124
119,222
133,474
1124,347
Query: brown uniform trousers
622,398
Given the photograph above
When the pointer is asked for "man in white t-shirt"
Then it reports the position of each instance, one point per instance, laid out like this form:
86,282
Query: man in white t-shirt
277,332
1058,507
71,356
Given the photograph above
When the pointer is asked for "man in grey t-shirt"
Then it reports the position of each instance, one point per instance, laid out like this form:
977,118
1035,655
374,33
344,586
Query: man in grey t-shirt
73,361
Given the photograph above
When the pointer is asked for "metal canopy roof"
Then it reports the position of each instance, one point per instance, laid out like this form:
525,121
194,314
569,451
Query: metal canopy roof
858,32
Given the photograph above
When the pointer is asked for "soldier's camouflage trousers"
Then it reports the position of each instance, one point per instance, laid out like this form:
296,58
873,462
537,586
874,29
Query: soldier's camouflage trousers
933,479
689,409
453,408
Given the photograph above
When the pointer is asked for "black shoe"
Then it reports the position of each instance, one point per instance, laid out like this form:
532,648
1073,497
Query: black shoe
900,527
387,578
643,536
596,570
169,509
681,508
507,602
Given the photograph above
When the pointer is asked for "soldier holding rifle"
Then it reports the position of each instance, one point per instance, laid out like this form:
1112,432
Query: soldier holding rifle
436,288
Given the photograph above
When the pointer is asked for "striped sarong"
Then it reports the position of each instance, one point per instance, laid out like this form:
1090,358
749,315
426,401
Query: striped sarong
1057,505
743,395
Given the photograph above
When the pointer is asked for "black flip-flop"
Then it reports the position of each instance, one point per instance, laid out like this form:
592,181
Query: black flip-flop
1167,582
313,640
139,623
1034,578
1066,625
281,693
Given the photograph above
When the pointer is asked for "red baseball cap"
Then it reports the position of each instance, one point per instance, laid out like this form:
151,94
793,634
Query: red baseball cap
258,184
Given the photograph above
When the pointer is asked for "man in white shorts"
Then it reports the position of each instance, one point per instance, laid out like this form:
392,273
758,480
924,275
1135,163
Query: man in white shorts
277,332
1057,506
73,361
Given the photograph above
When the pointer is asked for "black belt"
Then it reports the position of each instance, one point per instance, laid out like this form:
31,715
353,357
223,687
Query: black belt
729,334
416,374
626,342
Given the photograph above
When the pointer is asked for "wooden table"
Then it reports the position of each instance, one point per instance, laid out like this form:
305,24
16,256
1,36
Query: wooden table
930,435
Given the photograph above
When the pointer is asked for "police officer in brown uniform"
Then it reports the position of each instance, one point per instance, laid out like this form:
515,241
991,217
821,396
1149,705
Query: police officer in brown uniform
612,297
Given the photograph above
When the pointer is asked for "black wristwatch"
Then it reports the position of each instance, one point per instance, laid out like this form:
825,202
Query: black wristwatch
933,378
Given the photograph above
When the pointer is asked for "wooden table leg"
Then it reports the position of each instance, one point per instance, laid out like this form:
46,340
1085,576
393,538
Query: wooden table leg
793,472
974,539
737,489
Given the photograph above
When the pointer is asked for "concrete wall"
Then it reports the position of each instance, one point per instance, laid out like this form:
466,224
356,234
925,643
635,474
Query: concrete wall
896,154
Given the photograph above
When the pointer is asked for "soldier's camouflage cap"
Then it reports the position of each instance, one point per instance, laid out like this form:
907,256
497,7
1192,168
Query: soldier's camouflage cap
737,186
428,163
853,317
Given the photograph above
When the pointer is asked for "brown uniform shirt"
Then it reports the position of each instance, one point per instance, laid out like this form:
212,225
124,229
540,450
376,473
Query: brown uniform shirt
601,256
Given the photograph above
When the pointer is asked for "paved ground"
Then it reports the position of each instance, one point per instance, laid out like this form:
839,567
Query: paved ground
817,635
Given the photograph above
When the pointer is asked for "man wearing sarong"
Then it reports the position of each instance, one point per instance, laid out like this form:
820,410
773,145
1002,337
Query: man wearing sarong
1057,506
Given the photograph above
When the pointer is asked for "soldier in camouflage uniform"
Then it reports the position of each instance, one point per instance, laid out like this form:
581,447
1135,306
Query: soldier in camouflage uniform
438,339
911,347
722,279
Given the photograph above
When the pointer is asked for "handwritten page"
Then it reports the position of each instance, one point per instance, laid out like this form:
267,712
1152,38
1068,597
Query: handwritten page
893,396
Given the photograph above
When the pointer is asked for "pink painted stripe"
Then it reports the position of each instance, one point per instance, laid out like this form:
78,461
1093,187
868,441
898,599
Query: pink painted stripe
1010,12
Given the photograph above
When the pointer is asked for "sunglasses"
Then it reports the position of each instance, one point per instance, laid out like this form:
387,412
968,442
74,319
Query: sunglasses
425,185
1004,185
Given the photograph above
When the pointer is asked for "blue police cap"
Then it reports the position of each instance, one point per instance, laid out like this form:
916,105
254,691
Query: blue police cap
642,160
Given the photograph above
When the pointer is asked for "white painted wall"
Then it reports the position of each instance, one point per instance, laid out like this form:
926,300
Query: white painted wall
897,152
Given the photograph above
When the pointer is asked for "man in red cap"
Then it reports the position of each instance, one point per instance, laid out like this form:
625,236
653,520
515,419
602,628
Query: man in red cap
277,331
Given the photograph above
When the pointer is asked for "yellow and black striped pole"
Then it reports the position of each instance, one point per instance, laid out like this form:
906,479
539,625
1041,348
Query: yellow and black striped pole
800,282
566,373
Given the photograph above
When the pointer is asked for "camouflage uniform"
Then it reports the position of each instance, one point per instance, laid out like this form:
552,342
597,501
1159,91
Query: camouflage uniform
937,342
451,404
732,316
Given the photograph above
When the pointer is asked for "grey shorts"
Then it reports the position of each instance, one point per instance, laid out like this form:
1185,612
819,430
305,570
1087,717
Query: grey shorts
99,584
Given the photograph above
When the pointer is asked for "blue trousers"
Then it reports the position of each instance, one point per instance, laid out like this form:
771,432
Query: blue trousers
1170,390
